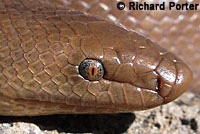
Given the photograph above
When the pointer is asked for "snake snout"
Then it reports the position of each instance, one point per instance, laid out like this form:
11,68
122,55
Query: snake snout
184,78
174,77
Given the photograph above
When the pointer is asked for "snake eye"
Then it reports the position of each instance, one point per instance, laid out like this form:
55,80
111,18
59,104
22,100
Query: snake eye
91,69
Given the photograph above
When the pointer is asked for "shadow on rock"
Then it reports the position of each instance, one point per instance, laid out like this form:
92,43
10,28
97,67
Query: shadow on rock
99,123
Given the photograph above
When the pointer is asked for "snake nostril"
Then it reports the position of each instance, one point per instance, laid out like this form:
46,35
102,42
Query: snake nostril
158,84
163,88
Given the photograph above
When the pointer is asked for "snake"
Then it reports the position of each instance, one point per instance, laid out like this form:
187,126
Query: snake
83,57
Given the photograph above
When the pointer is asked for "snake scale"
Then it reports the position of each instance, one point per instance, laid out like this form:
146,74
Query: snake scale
42,46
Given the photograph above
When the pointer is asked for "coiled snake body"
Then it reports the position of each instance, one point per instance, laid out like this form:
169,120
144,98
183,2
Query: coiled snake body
42,46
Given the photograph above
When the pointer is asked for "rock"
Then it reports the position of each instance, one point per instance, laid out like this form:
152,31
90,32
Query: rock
23,128
179,117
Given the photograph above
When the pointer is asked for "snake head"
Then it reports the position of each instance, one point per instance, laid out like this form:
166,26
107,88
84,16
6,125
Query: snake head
142,74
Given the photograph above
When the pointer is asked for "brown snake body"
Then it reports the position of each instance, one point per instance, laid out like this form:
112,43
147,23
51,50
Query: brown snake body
42,45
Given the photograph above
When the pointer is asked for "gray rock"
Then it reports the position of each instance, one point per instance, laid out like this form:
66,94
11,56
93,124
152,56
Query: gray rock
179,117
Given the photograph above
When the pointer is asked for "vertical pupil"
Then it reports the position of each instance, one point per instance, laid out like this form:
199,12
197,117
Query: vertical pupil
93,69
